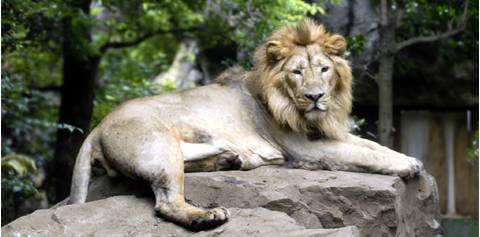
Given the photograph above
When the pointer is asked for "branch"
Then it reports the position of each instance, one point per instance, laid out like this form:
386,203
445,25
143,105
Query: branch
450,32
52,88
118,45
369,74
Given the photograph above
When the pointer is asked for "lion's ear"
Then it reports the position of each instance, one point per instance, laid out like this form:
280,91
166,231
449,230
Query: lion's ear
336,45
276,51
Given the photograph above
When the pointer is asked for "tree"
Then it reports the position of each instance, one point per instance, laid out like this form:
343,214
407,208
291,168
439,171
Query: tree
81,58
391,15
77,93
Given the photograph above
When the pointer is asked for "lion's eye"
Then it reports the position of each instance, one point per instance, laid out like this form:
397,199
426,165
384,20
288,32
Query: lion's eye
296,71
324,69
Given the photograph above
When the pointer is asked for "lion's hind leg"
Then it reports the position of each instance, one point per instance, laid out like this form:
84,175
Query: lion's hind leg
164,169
153,154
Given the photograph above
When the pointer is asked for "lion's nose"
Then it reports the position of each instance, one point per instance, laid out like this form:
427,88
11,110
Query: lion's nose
314,96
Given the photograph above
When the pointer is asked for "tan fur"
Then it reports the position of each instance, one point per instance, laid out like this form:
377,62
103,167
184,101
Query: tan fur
248,119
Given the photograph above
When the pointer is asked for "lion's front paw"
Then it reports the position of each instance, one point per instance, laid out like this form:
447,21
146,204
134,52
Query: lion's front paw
405,167
211,219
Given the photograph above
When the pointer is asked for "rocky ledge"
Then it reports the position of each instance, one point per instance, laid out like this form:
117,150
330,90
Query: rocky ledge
267,201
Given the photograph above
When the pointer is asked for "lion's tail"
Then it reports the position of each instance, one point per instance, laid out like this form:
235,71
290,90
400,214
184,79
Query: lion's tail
81,172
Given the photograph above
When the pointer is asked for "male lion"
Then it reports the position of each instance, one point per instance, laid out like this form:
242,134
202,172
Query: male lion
291,108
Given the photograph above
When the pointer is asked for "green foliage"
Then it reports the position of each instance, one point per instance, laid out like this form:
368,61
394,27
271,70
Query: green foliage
22,165
28,117
355,44
250,22
424,17
16,172
168,86
127,73
30,66
124,21
12,183
472,151
32,36
356,124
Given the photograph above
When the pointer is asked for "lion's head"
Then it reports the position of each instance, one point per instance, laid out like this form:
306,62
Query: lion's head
301,74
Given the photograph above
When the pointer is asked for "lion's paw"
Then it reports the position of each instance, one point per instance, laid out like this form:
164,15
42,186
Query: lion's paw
211,219
405,167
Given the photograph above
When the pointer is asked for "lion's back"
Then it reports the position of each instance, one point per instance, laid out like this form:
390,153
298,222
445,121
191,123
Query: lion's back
215,107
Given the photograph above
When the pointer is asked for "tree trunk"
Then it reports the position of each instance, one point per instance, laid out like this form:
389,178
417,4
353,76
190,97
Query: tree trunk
385,74
77,94
385,100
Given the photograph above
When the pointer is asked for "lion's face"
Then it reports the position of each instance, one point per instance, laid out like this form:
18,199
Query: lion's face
309,81
304,79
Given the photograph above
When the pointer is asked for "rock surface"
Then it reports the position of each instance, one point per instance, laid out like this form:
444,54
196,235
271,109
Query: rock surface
377,205
131,216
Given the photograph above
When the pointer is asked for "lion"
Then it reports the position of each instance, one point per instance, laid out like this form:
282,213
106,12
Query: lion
291,109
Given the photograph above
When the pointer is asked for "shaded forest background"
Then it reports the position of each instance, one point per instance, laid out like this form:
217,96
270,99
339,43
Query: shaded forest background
66,64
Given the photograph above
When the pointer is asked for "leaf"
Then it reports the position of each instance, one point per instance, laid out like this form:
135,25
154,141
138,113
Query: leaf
69,127
321,10
94,11
168,86
19,163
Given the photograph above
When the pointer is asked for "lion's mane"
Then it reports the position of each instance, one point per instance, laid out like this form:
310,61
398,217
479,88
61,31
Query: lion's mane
268,81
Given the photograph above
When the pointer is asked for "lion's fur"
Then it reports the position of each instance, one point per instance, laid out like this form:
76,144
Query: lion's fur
267,78
233,125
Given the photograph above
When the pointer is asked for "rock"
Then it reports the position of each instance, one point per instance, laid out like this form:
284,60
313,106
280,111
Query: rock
183,73
377,205
131,216
350,19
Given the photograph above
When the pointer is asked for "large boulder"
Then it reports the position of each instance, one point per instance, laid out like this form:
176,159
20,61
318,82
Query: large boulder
377,205
132,216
